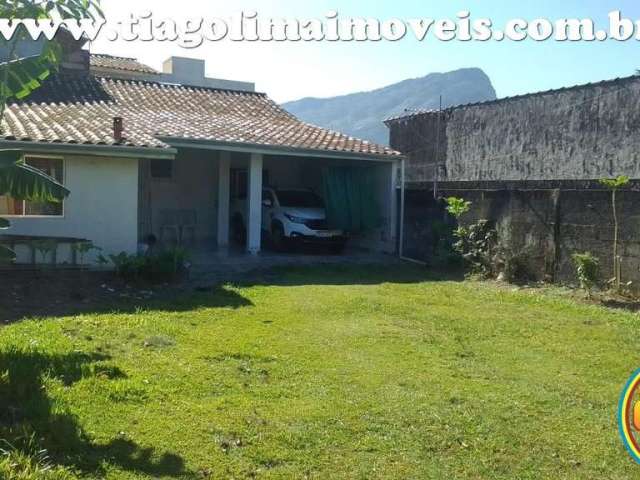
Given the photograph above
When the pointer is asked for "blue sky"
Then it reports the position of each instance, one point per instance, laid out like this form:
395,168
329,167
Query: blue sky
292,70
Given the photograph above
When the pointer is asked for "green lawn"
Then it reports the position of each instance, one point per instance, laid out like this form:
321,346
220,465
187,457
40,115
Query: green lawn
328,373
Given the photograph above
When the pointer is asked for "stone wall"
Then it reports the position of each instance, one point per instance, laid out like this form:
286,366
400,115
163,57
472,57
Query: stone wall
530,164
580,133
548,221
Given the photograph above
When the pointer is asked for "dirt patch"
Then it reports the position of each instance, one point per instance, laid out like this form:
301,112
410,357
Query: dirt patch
28,294
623,303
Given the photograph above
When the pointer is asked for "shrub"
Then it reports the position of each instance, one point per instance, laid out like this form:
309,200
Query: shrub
158,267
476,244
587,268
82,249
457,206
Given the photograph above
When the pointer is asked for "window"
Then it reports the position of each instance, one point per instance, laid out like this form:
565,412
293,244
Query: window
162,169
21,208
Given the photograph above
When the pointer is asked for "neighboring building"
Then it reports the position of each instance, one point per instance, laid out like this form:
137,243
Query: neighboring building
133,145
531,164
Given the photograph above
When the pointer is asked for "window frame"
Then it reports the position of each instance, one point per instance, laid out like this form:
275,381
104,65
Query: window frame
64,181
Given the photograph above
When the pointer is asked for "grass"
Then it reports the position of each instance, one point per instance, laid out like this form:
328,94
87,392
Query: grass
341,373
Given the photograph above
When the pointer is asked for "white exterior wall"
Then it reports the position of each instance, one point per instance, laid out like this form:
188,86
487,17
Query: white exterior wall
102,207
194,186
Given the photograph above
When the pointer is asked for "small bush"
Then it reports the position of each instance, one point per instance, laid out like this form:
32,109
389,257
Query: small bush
457,206
476,244
162,266
587,270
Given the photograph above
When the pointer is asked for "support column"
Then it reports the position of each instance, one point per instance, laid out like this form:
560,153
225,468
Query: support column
393,206
254,217
224,161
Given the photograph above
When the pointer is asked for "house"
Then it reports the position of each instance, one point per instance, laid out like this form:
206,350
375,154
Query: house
530,164
133,145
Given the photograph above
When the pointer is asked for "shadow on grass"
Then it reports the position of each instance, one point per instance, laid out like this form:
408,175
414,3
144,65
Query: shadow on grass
628,305
376,274
27,413
59,294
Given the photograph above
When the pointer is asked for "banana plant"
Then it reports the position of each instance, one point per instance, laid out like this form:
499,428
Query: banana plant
19,77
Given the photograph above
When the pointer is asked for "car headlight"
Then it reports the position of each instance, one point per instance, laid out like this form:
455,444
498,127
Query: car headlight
294,219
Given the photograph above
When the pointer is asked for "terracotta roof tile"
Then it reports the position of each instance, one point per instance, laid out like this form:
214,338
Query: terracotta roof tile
76,109
120,63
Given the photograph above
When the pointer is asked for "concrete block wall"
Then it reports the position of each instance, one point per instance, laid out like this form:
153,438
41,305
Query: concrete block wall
530,164
580,133
550,224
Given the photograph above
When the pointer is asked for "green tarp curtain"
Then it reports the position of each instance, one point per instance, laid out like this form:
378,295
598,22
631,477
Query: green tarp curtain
351,199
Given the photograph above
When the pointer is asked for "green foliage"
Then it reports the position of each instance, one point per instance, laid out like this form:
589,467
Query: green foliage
29,462
24,182
615,183
457,206
25,75
587,269
158,267
475,244
324,372
19,77
82,248
66,9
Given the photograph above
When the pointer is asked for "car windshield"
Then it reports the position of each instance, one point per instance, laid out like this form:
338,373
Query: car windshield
299,198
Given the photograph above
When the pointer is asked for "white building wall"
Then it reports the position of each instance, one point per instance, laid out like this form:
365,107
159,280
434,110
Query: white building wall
194,187
102,207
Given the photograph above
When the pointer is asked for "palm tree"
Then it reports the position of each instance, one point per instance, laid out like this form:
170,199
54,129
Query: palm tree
20,77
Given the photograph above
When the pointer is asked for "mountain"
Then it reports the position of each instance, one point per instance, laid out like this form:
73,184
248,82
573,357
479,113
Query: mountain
361,114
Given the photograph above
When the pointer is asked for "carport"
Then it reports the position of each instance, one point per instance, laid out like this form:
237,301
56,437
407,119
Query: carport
279,167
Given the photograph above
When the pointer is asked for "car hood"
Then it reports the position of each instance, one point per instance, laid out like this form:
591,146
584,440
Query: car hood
307,213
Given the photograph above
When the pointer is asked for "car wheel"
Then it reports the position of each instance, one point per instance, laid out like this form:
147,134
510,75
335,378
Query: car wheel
278,239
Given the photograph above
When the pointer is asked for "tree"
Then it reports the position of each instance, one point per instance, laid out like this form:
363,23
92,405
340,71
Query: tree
615,184
21,76
457,206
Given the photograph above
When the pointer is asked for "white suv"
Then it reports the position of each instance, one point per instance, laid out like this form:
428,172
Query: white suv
290,216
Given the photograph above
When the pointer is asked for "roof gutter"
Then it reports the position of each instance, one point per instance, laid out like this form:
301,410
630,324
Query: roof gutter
274,149
92,150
